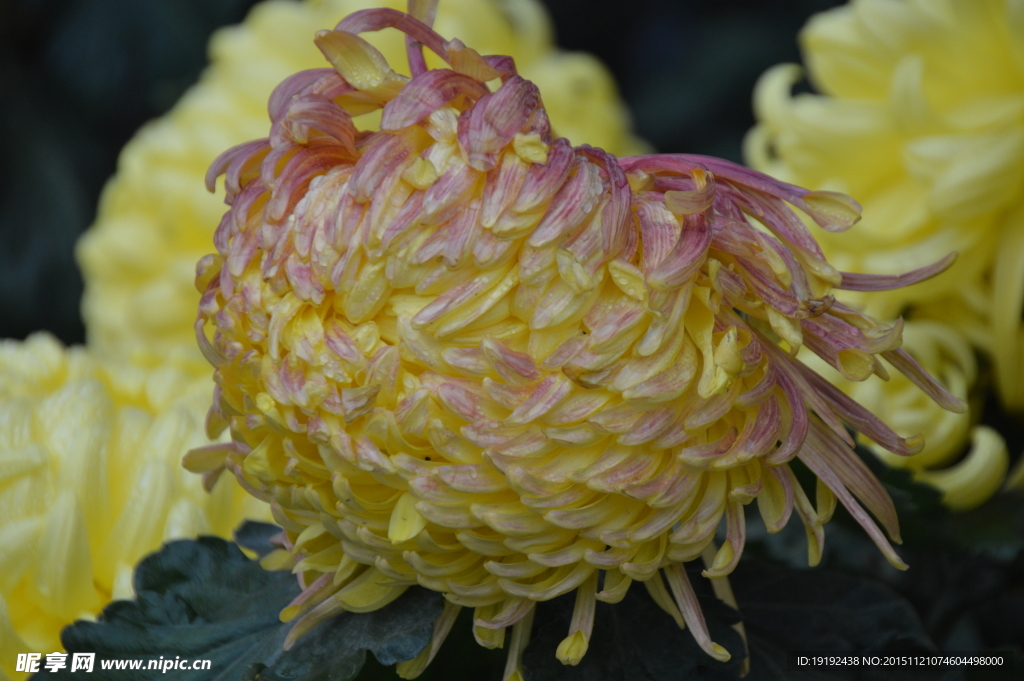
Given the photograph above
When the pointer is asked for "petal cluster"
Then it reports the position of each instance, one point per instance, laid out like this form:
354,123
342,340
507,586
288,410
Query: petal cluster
921,116
155,220
462,353
90,482
966,479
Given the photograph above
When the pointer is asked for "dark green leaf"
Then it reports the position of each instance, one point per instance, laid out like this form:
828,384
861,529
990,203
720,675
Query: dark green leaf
787,610
461,657
784,610
634,641
256,536
996,528
204,599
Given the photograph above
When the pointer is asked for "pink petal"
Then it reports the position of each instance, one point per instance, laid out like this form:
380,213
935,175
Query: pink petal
853,281
425,94
490,125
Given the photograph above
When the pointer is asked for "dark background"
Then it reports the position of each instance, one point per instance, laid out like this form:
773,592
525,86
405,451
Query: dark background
78,77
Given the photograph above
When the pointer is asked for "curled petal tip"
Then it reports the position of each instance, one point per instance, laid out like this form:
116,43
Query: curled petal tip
358,62
833,211
720,653
914,444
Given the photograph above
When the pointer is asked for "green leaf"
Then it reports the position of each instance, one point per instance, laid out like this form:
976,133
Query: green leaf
996,528
257,537
784,610
461,658
634,641
204,599
787,610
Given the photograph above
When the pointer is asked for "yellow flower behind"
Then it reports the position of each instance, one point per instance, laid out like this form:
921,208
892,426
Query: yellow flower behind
90,482
156,219
921,117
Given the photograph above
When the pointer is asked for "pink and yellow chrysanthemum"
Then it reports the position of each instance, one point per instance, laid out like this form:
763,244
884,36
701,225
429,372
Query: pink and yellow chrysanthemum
463,353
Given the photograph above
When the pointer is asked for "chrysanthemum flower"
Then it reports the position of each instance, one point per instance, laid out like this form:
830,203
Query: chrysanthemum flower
462,353
965,482
90,482
155,220
920,116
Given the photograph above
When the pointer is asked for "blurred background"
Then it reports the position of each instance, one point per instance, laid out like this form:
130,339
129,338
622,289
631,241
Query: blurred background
80,76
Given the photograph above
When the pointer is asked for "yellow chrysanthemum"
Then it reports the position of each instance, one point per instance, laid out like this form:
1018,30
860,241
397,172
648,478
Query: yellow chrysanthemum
462,353
155,219
90,482
921,117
